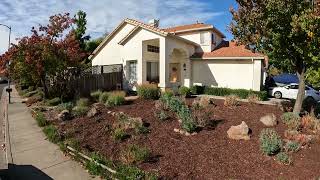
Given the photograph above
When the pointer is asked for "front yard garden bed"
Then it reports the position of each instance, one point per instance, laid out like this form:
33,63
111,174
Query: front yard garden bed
207,154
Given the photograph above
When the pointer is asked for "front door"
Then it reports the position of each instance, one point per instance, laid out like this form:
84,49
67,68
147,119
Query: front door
153,72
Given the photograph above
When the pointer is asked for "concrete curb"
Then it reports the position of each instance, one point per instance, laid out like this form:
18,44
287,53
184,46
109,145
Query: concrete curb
8,153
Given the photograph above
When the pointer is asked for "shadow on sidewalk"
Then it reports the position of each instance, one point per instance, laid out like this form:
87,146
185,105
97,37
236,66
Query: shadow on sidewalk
23,172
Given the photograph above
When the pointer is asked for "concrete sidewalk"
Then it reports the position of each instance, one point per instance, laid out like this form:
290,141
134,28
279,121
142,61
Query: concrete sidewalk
34,157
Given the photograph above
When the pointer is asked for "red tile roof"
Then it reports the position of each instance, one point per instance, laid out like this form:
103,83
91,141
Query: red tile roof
187,27
228,49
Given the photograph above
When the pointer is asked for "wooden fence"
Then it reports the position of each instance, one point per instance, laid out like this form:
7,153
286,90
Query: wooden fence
75,83
85,84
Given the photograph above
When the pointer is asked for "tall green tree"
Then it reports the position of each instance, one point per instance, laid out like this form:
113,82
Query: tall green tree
288,31
80,30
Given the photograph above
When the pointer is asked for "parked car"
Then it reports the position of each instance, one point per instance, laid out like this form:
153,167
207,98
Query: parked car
3,79
290,92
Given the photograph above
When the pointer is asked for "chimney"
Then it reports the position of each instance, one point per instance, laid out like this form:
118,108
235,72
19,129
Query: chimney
154,23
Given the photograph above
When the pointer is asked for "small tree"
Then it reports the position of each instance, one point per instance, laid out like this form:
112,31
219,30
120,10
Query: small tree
286,30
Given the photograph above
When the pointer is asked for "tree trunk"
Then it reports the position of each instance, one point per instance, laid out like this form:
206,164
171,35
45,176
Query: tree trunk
45,89
301,91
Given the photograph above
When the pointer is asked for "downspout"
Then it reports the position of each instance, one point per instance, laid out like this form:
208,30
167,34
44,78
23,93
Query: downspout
252,60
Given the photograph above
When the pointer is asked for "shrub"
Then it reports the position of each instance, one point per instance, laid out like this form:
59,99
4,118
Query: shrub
292,120
54,101
129,172
242,93
202,117
309,122
33,99
161,115
292,146
119,134
184,91
116,98
253,98
83,102
52,133
96,95
284,158
148,91
135,154
270,141
231,100
160,106
41,120
175,104
79,111
65,106
197,89
103,98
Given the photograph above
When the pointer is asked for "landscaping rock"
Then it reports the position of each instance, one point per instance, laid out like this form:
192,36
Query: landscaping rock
269,120
93,112
24,100
64,115
239,132
205,101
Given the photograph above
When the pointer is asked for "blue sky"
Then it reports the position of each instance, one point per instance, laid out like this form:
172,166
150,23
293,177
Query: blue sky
104,15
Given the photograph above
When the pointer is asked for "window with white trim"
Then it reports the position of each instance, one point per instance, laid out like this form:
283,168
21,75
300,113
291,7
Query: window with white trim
154,49
132,71
213,38
202,38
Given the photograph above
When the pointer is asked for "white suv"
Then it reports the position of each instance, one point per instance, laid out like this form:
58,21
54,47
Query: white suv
290,92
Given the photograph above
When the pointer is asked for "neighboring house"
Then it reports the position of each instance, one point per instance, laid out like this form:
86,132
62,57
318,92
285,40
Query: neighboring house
187,55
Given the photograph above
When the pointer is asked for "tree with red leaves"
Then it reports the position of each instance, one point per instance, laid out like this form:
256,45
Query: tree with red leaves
49,51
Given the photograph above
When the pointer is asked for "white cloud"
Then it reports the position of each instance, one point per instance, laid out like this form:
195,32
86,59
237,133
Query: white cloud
102,15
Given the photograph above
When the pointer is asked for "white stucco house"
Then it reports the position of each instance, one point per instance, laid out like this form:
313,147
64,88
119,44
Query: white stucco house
186,55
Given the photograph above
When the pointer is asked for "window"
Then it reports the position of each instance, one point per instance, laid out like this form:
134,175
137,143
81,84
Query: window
153,72
132,71
174,72
213,38
154,49
294,86
202,38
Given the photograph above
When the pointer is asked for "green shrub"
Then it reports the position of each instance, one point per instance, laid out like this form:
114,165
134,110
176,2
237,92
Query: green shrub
94,169
284,158
65,106
79,111
270,141
197,89
141,129
96,95
242,93
116,98
175,104
103,98
161,115
83,102
119,134
292,146
54,101
148,91
41,119
185,91
129,172
292,120
135,154
52,133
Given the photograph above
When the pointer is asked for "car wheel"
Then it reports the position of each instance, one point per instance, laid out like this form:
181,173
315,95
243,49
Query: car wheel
278,95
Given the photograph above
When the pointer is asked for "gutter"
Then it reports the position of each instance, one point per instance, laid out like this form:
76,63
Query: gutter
228,58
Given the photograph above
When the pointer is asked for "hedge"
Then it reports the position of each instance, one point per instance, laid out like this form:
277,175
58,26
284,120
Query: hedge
242,93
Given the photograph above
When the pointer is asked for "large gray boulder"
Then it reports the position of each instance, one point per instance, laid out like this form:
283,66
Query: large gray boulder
269,120
239,132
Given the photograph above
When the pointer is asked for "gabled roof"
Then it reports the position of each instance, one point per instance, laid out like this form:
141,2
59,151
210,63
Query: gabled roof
228,49
193,27
138,25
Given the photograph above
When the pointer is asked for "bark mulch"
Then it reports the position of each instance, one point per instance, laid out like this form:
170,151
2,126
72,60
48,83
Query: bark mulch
206,155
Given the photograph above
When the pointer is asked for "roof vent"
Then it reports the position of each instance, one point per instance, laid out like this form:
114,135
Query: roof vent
154,23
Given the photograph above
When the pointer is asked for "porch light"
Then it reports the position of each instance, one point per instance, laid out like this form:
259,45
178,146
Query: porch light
184,67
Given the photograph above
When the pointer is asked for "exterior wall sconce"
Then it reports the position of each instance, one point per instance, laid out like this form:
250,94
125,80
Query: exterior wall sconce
184,66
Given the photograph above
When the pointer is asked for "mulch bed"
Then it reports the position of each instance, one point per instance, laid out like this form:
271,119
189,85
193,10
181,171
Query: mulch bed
210,154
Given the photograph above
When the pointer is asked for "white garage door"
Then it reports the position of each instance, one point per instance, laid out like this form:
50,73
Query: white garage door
224,73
